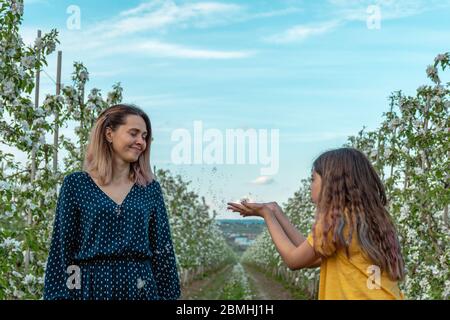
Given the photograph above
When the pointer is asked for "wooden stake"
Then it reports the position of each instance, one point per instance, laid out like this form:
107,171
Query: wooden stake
56,134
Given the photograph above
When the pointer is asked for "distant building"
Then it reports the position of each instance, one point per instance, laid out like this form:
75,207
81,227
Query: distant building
242,241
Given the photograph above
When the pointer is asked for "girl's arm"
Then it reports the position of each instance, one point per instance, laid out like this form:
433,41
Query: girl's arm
291,231
295,256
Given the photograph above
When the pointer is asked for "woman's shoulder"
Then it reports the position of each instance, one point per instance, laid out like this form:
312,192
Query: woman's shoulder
75,177
152,185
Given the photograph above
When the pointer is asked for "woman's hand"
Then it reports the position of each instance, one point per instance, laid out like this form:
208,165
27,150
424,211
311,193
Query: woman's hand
248,209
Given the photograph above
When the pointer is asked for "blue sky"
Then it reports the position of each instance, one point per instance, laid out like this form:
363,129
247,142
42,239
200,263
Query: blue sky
311,69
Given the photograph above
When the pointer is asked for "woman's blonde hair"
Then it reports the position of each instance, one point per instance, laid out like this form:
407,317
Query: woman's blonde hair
98,160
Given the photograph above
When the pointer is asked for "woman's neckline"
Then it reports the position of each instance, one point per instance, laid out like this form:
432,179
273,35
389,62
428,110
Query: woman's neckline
108,196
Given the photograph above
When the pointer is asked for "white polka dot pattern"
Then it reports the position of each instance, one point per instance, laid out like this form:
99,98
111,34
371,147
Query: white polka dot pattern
123,252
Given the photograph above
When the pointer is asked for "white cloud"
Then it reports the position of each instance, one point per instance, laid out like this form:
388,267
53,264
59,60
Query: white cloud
29,2
162,49
140,8
139,30
160,15
357,10
263,180
315,136
269,14
151,48
344,11
200,14
302,32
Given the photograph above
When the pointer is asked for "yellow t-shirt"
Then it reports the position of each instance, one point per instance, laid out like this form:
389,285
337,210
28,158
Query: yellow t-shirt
356,278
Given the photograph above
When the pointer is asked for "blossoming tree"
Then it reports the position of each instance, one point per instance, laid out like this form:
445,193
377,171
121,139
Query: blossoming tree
29,190
410,150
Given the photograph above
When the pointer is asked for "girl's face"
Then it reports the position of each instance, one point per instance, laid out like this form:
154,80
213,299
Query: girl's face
129,139
316,185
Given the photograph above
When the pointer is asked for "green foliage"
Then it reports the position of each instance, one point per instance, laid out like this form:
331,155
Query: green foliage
28,191
410,150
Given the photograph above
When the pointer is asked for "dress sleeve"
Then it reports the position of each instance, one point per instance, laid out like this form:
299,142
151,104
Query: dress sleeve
163,260
62,245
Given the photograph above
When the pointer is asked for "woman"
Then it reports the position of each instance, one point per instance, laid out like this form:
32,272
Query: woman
111,236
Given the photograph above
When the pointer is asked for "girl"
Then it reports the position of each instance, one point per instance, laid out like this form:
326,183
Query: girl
111,236
353,239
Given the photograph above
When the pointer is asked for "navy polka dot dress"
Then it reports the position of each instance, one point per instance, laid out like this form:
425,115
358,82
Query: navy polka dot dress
104,251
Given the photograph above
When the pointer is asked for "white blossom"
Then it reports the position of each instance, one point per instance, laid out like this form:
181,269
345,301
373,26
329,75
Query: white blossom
394,123
436,100
446,293
4,185
27,140
30,204
38,43
8,214
440,58
29,279
48,99
90,106
18,293
42,140
21,71
83,76
51,46
432,73
25,126
11,244
38,122
40,112
422,89
11,52
17,7
8,87
28,61
440,90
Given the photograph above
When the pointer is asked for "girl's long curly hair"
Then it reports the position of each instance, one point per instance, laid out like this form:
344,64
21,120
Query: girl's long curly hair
353,197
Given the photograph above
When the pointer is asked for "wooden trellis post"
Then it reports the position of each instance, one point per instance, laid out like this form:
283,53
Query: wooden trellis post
56,134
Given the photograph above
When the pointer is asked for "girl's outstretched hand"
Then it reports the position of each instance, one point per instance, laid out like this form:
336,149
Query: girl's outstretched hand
248,209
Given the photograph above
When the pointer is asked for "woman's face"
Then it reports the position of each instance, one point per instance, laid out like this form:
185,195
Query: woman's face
316,185
129,139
